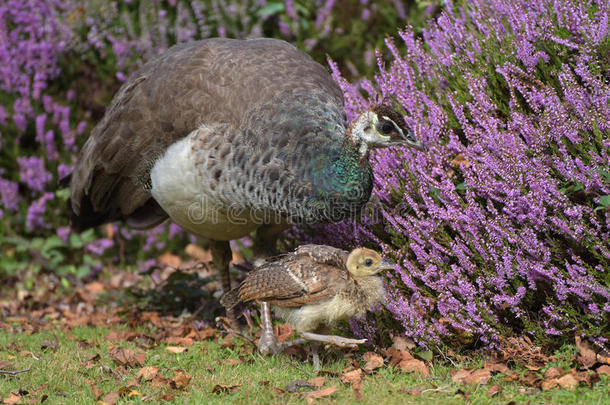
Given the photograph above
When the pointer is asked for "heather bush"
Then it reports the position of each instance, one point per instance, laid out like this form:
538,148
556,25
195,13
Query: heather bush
62,60
502,226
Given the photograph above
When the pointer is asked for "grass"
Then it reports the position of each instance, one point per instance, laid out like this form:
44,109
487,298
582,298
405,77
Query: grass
62,375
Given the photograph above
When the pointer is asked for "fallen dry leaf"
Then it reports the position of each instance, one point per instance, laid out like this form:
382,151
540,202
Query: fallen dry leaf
47,344
208,333
568,382
552,372
373,361
478,377
147,373
5,365
411,365
179,341
196,252
182,379
95,287
351,377
588,356
530,378
317,381
127,357
227,342
321,393
497,367
549,384
12,399
111,398
473,377
460,160
459,376
170,259
159,381
284,332
96,391
603,369
494,390
175,349
225,389
230,362
403,343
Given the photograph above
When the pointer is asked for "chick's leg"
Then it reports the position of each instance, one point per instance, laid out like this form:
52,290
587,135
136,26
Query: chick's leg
221,255
268,343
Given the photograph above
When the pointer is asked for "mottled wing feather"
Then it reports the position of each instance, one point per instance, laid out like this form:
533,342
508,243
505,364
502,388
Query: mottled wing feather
246,84
325,254
293,281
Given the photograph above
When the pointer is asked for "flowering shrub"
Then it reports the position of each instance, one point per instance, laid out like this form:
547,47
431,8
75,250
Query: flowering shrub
61,62
503,225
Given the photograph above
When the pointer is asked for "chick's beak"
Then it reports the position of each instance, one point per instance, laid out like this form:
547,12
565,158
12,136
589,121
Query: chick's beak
385,265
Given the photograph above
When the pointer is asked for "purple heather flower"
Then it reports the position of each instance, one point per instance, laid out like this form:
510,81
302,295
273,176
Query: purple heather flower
33,173
34,220
99,246
9,193
63,232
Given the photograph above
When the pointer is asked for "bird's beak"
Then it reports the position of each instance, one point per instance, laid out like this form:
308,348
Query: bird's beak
411,140
385,265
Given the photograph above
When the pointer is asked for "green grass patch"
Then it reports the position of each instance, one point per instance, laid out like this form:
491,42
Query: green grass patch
65,371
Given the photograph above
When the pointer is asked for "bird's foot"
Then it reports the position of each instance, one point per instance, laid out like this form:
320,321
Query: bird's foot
268,344
335,340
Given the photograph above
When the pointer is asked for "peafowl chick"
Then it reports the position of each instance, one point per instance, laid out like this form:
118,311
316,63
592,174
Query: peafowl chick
227,137
313,288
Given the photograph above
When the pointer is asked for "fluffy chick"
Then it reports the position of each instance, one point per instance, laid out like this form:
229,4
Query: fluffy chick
314,287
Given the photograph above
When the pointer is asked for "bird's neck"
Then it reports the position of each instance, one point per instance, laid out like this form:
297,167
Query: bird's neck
353,145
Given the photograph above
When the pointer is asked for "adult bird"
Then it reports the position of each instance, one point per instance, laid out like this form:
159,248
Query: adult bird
226,137
313,288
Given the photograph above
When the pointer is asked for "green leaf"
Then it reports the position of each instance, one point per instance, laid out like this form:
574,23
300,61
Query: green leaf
76,241
82,271
271,9
605,200
425,355
51,243
63,194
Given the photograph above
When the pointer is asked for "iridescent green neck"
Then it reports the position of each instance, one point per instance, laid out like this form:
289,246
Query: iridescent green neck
343,180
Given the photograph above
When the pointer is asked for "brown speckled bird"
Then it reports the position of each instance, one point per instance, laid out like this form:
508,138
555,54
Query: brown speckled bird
313,288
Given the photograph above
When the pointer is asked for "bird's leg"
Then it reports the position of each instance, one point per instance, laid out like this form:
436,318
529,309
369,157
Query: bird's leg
265,242
221,255
268,343
335,340
315,357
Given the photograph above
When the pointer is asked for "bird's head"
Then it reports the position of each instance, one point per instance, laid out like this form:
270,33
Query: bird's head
366,262
382,126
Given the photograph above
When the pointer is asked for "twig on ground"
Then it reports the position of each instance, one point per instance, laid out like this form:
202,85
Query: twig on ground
14,372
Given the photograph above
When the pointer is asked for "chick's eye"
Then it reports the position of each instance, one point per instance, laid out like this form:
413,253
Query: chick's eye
368,262
385,127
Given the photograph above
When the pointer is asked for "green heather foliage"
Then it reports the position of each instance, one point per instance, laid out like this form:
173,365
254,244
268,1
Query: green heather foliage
502,226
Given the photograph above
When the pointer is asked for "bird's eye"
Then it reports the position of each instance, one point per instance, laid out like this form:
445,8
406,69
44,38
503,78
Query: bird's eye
385,127
368,262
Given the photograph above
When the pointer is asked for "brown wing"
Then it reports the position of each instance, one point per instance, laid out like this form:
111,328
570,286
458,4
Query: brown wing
293,281
210,81
324,254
